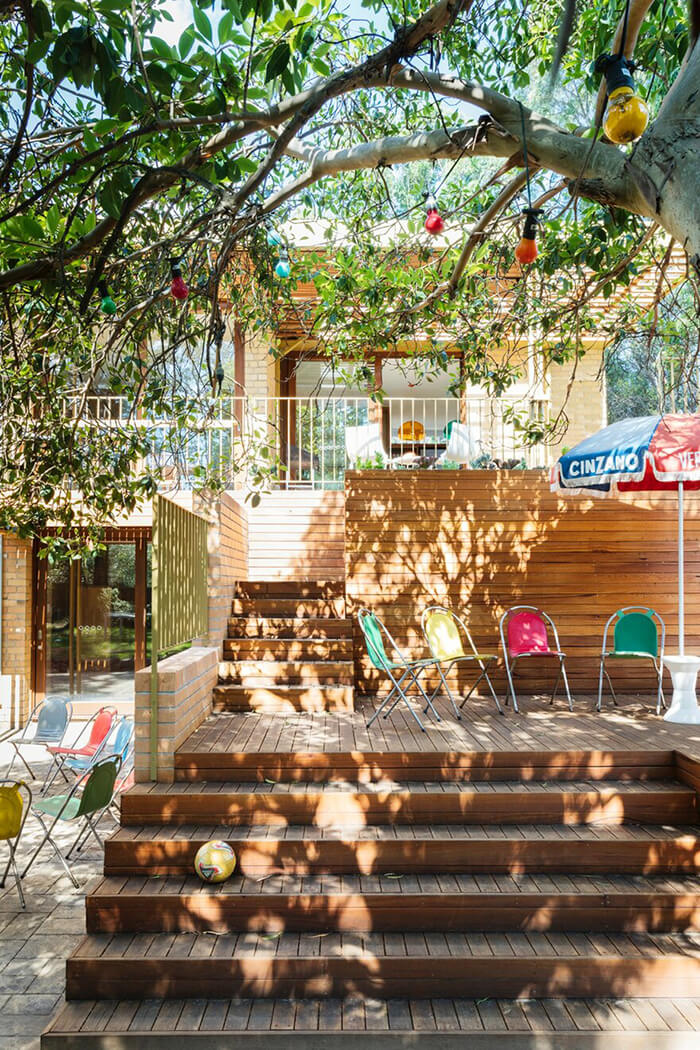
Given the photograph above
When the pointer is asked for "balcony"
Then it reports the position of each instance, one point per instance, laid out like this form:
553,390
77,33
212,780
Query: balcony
308,442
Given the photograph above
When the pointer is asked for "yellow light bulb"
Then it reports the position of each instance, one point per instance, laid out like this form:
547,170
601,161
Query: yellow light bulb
626,117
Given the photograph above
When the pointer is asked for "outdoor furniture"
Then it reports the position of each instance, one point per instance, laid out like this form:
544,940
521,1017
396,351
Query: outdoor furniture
13,816
88,745
397,670
445,633
117,742
635,636
525,633
460,444
90,795
52,716
645,454
125,780
411,430
365,443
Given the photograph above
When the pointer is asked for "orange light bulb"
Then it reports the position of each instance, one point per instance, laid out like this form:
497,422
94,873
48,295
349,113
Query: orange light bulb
526,252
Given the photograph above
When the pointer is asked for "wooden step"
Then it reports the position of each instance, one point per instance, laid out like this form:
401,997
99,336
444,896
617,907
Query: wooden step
204,967
376,850
222,763
485,1023
347,904
288,649
280,699
232,804
290,589
312,608
300,627
269,673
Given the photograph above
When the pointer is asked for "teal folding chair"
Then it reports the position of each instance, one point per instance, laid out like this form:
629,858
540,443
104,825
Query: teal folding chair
50,719
397,670
13,817
89,796
635,636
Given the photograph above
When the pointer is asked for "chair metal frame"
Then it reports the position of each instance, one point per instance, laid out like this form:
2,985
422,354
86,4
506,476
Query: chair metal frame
657,661
410,669
59,760
20,741
511,662
482,659
120,786
89,819
12,844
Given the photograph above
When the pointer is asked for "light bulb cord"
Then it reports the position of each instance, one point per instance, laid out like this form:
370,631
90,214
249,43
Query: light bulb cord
525,156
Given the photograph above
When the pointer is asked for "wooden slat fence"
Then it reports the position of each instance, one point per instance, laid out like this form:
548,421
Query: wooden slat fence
485,540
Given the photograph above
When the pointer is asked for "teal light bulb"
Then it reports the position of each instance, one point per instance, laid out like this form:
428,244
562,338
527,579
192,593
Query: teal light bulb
283,269
108,305
273,238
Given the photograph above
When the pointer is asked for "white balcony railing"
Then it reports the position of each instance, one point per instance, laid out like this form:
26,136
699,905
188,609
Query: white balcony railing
305,440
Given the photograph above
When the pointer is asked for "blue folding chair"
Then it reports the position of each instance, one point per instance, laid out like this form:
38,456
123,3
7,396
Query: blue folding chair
116,742
52,717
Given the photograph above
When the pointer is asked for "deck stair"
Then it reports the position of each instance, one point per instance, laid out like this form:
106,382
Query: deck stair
289,648
554,881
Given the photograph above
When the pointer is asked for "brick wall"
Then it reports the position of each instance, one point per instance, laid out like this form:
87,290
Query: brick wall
260,366
185,683
585,407
16,605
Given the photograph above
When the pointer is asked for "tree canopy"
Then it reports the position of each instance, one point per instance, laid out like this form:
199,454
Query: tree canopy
127,146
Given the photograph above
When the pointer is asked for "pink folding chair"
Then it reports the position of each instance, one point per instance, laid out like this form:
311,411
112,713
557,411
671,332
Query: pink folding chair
525,632
88,745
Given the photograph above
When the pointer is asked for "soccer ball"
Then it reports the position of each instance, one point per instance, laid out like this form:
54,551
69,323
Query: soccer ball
215,861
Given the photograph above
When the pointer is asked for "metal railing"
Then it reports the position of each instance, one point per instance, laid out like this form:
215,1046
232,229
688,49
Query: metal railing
308,441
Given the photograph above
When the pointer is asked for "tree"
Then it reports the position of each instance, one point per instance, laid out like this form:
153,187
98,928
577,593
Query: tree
122,152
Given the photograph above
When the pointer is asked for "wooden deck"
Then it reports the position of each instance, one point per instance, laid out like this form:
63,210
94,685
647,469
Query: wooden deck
527,880
632,727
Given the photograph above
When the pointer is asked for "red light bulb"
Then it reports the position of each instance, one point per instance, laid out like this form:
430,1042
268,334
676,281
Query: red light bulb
434,222
526,252
178,288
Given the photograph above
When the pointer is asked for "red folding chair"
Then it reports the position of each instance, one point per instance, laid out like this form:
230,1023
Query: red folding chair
525,631
88,745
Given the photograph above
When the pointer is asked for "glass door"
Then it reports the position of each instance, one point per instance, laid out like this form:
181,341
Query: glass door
94,631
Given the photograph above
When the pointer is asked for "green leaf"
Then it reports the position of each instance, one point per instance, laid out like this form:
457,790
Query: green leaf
226,28
162,49
278,61
202,22
186,41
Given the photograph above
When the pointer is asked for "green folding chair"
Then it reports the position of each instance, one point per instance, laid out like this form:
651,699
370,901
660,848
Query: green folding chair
77,807
397,670
635,637
13,816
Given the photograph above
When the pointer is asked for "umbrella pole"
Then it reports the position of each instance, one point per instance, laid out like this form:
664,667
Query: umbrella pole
681,596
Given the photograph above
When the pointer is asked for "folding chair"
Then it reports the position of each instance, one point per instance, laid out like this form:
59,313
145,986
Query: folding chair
445,633
374,632
13,816
124,748
635,636
117,742
96,796
52,716
524,633
96,730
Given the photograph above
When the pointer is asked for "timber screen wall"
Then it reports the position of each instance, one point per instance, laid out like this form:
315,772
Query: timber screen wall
482,541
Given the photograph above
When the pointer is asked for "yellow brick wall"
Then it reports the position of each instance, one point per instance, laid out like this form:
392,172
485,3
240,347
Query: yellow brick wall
586,404
260,367
15,657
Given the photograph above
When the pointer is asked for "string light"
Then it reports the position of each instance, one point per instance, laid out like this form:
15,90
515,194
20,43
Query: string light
178,288
627,114
108,305
434,222
283,269
526,251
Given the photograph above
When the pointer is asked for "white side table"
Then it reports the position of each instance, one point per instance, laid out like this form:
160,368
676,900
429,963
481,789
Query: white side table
684,704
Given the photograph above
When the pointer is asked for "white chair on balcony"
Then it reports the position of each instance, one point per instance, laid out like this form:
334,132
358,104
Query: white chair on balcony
365,443
461,446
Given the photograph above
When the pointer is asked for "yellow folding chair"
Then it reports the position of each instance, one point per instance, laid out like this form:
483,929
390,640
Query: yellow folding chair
13,815
446,632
